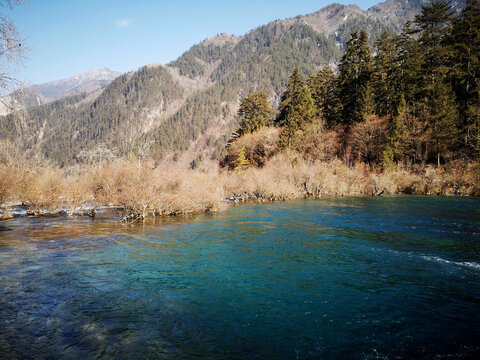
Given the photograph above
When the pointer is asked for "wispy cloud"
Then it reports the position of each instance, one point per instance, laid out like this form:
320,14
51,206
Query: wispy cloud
123,22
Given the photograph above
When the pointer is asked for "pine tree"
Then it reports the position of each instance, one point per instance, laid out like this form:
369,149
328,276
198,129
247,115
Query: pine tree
354,77
442,118
408,60
395,147
472,133
296,108
255,112
288,136
317,84
324,90
434,23
384,76
289,97
415,140
465,66
302,110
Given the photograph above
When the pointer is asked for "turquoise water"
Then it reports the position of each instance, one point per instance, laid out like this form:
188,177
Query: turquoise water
341,278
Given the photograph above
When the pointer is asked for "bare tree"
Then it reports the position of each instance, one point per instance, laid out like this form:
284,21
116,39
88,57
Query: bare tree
368,139
12,49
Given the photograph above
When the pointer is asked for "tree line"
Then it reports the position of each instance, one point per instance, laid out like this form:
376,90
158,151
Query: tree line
412,98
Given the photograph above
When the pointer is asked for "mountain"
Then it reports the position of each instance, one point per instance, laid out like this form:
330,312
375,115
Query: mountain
46,93
189,106
397,12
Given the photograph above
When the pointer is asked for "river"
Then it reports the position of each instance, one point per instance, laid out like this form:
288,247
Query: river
394,277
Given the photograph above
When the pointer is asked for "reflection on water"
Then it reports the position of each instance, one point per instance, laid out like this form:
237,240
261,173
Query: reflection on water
344,278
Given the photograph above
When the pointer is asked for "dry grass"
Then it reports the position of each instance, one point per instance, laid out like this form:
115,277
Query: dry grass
6,184
144,188
44,190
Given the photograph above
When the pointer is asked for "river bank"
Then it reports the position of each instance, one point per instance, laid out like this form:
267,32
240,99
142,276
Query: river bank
138,189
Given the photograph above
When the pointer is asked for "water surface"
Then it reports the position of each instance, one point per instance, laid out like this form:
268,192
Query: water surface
342,278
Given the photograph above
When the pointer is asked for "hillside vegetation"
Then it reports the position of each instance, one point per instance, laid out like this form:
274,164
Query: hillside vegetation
401,116
168,118
414,98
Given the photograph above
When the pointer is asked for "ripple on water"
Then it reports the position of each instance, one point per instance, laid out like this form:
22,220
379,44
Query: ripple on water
467,264
345,278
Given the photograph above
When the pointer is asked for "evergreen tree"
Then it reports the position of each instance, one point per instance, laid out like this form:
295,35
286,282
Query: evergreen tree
472,132
302,111
395,149
354,77
434,23
324,90
466,71
415,139
384,76
408,61
442,118
288,136
289,97
296,108
255,112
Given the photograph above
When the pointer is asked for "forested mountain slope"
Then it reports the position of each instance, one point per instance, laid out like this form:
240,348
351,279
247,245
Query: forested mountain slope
191,103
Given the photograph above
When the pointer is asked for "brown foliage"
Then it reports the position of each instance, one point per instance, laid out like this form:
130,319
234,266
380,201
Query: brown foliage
144,188
6,184
368,139
318,143
44,189
259,146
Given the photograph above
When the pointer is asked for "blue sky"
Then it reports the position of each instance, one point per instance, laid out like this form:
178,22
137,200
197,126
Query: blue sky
69,37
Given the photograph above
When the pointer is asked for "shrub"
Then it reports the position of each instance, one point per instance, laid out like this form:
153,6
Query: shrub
368,139
259,146
318,143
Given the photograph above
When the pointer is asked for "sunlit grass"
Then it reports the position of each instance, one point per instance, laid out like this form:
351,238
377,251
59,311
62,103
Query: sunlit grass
144,188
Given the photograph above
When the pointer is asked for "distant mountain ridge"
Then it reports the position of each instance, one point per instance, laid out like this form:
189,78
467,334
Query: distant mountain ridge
53,90
85,82
190,105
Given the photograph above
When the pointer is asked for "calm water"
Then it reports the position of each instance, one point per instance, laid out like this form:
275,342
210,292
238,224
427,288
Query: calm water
343,278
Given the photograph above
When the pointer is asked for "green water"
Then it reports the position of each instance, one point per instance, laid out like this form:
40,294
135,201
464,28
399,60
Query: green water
343,278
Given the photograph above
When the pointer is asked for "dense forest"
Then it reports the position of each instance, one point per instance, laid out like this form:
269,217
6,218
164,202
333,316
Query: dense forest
67,129
412,98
